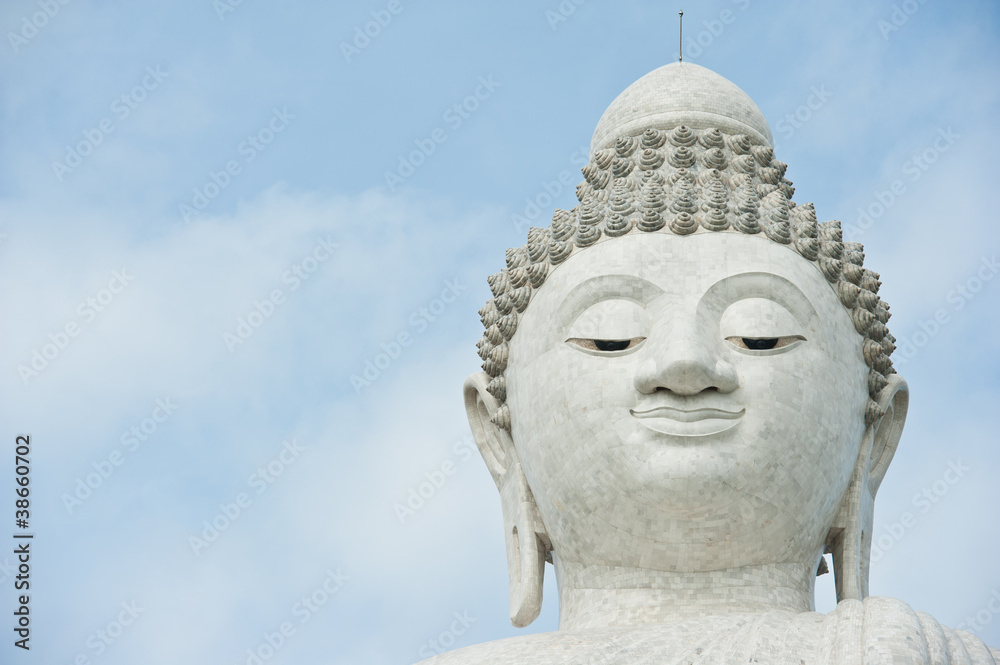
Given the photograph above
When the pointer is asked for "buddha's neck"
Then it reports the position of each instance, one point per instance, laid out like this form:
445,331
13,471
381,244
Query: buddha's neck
602,596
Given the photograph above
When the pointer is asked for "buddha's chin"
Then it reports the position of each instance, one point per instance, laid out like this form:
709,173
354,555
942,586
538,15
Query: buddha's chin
710,481
687,507
687,461
692,498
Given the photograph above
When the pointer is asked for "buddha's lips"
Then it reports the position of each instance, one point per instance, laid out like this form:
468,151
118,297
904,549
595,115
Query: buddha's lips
693,415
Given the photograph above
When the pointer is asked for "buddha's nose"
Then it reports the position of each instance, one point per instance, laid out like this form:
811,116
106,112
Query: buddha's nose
685,363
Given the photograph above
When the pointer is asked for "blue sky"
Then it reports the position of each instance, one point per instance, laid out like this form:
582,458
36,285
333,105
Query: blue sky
288,136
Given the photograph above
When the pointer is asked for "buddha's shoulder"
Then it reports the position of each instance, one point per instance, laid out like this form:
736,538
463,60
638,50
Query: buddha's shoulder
522,649
887,626
611,646
699,638
876,630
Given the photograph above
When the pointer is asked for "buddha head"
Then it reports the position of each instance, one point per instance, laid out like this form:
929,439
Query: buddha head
686,372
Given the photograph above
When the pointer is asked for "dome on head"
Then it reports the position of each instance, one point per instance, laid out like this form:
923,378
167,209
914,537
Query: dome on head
681,93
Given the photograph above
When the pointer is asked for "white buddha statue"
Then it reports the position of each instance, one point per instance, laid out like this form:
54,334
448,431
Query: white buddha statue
687,400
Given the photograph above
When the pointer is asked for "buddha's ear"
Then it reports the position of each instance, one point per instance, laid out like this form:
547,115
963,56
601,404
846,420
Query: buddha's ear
495,443
524,534
894,400
850,538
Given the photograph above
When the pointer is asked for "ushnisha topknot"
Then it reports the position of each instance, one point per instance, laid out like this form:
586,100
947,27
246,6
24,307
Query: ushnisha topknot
683,181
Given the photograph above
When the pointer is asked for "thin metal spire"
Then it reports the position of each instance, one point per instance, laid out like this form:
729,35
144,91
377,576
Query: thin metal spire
681,40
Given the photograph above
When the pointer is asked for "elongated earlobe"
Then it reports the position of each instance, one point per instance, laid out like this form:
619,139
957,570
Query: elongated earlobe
850,539
524,534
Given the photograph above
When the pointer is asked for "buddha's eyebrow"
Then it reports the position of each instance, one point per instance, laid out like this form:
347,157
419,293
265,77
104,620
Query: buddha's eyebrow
764,285
606,287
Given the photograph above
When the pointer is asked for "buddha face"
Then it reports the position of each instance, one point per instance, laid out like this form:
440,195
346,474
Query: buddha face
687,403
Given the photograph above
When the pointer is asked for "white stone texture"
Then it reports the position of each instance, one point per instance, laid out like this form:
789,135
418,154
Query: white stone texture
686,399
681,93
762,476
876,630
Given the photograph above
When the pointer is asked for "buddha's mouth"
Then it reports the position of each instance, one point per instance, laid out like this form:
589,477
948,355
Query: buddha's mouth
683,422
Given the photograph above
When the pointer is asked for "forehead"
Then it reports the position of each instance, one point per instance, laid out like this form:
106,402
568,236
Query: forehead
687,264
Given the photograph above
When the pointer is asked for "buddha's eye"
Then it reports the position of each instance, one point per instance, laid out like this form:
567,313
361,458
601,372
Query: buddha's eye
759,344
763,343
760,326
605,345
